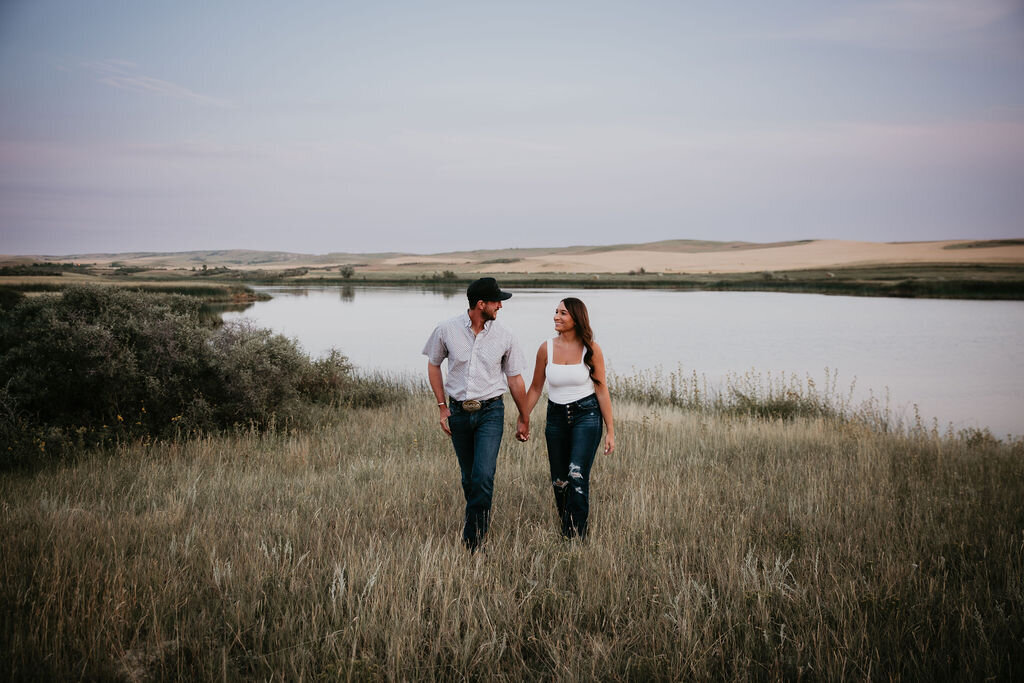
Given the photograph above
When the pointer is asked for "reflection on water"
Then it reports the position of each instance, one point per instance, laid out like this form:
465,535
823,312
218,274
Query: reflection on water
959,361
214,312
449,290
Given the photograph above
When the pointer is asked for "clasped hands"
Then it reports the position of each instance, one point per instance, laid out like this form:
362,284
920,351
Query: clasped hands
522,425
523,428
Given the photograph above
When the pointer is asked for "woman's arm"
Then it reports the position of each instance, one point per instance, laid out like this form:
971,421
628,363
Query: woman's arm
604,399
539,375
523,423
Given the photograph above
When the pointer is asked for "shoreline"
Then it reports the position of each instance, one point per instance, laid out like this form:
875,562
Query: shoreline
941,281
987,282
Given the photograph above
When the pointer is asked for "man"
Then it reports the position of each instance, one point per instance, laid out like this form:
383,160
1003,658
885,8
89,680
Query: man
483,360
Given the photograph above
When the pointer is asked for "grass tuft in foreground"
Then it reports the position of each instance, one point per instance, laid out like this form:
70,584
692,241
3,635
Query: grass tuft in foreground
723,546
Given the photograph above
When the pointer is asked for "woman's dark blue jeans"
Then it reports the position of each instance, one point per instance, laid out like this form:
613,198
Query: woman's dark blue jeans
573,434
476,438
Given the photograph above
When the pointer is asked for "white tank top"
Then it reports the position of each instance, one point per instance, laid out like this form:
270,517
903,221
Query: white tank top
567,383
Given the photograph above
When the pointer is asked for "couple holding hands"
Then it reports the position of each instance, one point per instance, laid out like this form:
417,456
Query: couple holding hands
484,359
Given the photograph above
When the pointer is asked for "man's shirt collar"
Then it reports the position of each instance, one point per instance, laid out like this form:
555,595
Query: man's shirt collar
468,322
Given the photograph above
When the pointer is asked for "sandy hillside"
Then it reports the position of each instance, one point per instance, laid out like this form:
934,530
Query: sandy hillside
814,254
675,256
818,254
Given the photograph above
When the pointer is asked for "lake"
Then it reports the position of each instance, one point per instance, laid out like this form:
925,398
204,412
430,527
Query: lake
961,362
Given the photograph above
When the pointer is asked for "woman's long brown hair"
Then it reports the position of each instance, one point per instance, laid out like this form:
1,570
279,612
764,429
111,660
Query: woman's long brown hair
578,310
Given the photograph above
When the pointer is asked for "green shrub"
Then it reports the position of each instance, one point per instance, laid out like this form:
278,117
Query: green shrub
9,297
257,374
101,363
325,379
92,354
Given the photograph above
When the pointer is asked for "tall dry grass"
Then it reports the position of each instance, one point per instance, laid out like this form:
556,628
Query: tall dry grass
722,546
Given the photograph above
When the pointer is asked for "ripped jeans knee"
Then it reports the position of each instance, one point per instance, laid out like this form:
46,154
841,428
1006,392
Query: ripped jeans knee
576,474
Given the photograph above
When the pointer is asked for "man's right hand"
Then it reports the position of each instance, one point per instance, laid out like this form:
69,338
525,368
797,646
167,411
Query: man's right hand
445,413
522,429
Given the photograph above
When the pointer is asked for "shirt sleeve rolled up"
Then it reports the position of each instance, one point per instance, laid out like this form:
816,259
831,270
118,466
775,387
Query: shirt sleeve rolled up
435,349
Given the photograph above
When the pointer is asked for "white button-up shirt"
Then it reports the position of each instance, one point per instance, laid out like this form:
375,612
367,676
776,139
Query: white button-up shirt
478,364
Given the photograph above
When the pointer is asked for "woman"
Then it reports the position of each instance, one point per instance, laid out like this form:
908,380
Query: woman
573,366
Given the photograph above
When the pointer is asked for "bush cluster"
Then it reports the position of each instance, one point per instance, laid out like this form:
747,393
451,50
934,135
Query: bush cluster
97,363
44,268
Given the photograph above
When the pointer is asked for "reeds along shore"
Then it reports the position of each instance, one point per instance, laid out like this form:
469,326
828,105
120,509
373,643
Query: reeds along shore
723,546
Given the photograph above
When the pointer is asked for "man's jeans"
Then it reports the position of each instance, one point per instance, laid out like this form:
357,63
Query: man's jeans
573,435
476,437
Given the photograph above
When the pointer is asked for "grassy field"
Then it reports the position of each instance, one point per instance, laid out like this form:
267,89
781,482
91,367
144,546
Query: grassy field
722,547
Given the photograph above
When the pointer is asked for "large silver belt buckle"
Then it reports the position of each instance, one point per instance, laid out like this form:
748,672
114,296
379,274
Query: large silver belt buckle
471,406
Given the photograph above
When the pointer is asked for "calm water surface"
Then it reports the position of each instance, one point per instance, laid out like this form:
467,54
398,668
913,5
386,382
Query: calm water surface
961,362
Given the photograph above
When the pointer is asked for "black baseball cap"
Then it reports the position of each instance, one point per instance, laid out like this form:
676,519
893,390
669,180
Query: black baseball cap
486,289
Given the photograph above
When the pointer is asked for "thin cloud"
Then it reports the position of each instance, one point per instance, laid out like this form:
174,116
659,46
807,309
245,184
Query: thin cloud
195,150
123,75
912,24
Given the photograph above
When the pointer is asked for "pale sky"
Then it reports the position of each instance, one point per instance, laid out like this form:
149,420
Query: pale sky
434,126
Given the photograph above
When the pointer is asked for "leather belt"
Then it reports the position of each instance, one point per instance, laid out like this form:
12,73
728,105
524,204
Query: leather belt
472,405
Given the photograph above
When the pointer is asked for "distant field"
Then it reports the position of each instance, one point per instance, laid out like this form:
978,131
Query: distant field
953,268
673,256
